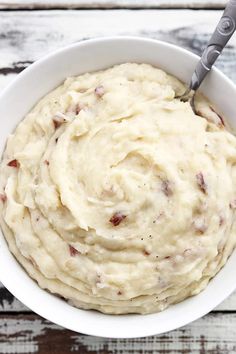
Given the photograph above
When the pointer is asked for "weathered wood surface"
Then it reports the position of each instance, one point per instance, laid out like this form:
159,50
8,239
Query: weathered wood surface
107,4
8,303
32,334
26,36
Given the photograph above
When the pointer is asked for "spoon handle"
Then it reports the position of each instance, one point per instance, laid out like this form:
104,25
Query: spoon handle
217,42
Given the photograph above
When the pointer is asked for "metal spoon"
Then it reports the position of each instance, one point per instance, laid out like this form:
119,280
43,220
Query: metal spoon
224,30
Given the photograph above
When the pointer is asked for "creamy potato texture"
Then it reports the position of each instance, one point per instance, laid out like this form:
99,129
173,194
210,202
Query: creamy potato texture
116,196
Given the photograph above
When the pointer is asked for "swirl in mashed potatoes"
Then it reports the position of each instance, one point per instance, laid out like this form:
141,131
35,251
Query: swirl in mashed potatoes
116,196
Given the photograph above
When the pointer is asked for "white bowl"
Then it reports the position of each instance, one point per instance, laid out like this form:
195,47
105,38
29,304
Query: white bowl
19,98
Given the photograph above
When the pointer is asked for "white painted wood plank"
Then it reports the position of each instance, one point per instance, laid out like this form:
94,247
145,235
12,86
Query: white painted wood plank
29,35
8,303
26,36
5,80
229,304
215,334
34,4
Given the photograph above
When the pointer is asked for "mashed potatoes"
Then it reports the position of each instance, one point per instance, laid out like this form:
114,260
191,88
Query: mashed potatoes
116,196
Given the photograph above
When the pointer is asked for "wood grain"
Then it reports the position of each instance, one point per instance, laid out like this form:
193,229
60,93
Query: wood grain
213,334
107,4
8,303
26,36
37,33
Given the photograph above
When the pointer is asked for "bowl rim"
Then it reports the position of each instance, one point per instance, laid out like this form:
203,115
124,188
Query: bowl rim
142,332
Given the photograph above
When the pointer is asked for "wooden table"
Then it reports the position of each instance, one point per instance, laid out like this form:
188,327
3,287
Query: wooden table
28,30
